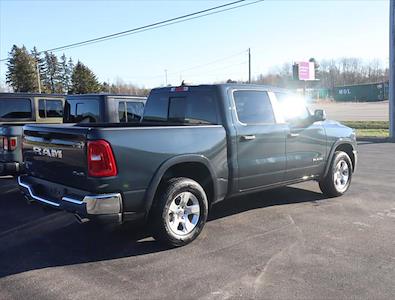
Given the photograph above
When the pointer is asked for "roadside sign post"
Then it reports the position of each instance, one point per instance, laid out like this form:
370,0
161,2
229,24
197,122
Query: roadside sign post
304,71
392,71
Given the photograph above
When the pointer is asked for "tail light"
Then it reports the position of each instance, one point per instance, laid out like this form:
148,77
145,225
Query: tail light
9,143
101,161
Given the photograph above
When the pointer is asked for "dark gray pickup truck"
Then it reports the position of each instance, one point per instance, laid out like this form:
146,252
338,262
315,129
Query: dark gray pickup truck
195,146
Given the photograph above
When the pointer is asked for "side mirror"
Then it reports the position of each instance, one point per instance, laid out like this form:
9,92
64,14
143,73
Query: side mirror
319,115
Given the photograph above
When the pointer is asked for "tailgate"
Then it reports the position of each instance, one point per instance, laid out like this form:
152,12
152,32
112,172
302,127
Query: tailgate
56,153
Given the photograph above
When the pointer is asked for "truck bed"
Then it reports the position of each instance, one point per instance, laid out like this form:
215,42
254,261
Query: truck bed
139,149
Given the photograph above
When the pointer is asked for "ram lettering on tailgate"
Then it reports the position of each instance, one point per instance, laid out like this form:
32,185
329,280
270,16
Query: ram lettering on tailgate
54,153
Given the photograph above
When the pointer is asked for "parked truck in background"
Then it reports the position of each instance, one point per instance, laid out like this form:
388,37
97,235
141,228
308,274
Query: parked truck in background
195,146
17,110
103,108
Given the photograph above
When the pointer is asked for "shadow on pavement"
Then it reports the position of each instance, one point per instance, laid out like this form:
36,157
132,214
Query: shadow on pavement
72,243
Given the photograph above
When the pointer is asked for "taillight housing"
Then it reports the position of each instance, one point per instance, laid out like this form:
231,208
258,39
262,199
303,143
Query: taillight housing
101,161
9,143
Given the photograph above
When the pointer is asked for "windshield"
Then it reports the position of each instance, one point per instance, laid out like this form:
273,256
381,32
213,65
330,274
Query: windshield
15,108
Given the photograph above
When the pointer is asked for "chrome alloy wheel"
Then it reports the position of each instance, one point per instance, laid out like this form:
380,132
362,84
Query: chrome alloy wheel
183,213
341,175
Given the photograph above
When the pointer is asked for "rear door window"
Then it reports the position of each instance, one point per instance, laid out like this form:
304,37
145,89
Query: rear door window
253,107
11,108
50,108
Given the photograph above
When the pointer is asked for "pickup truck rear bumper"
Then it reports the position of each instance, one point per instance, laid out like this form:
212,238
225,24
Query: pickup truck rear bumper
105,207
11,168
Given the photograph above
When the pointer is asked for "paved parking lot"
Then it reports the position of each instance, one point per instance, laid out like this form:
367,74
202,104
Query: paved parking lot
281,244
355,111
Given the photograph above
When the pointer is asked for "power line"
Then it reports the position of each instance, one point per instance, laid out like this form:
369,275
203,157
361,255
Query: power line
168,22
192,68
212,62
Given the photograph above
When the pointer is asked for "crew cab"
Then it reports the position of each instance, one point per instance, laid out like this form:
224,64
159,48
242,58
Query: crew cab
195,146
16,110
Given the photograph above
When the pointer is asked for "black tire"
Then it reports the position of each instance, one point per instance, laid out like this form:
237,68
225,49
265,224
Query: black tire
328,185
163,219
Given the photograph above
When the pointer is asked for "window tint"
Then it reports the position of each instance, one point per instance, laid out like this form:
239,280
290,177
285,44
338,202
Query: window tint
41,108
293,107
122,112
130,111
195,108
156,108
177,109
15,108
253,107
82,110
54,108
191,107
50,108
202,108
135,111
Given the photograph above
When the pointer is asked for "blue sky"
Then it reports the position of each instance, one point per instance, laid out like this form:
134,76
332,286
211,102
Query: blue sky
202,50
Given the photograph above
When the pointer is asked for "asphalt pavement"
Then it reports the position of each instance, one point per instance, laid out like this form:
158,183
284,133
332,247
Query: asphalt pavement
354,111
281,244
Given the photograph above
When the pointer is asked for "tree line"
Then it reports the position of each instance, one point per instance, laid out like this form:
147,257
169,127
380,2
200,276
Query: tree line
330,73
34,71
44,72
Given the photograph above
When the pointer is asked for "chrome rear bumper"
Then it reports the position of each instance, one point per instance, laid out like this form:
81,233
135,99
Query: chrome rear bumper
94,205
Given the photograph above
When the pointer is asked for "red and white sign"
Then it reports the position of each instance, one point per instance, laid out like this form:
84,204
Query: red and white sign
306,70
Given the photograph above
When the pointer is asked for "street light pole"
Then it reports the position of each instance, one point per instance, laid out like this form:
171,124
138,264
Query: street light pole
38,77
165,77
249,65
392,71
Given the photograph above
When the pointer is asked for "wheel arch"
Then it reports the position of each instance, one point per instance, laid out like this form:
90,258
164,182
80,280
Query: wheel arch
345,145
174,164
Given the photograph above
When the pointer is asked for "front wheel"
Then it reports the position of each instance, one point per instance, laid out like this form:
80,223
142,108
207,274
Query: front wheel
180,212
338,179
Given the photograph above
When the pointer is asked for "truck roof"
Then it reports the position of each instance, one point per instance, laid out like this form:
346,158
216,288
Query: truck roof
105,95
30,95
224,86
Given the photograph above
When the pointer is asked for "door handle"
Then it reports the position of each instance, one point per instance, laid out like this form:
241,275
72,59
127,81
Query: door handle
247,137
293,135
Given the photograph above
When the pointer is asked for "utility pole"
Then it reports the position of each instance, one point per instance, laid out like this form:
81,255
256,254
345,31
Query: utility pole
249,65
392,71
38,78
165,77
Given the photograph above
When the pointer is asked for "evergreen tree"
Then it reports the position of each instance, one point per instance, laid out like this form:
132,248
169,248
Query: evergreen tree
65,70
83,80
21,73
52,73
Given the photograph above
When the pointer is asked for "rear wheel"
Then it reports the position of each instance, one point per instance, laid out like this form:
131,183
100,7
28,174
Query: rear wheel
338,179
180,212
